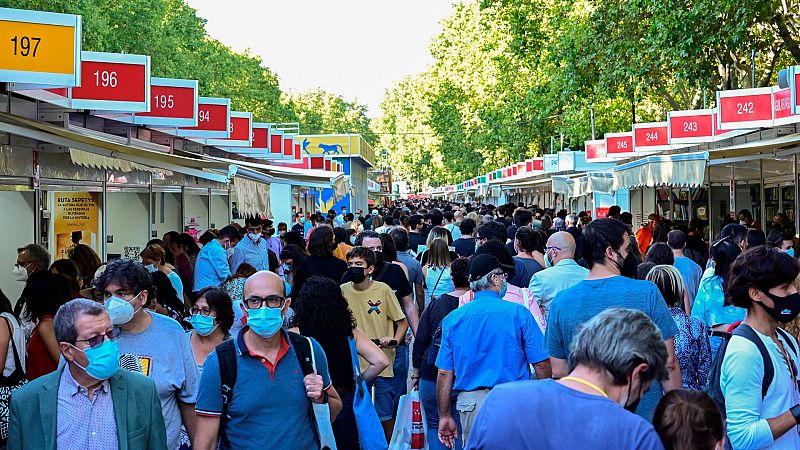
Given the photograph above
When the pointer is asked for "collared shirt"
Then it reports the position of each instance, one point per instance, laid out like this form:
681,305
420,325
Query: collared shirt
274,244
253,253
211,268
269,406
83,423
489,341
545,284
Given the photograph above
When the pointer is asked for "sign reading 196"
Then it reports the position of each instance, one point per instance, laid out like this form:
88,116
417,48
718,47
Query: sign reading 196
39,47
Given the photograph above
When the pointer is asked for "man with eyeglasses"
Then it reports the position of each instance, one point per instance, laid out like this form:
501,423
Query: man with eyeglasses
161,345
561,271
89,403
253,392
484,343
254,249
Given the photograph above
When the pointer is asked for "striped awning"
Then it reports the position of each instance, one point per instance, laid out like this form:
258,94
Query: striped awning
679,170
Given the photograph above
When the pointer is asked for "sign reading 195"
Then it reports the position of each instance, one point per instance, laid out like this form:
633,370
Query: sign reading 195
164,101
26,45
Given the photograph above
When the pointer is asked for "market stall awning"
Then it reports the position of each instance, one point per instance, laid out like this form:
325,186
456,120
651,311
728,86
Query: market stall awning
112,146
679,170
563,185
313,178
594,182
88,159
252,197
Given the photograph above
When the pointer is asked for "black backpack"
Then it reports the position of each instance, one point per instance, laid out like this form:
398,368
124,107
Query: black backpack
226,354
745,331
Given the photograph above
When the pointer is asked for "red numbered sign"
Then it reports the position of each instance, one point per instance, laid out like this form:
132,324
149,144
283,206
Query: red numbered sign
691,127
744,108
651,137
113,82
619,144
596,151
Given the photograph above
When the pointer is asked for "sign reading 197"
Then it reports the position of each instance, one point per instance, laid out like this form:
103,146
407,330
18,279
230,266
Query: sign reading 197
26,45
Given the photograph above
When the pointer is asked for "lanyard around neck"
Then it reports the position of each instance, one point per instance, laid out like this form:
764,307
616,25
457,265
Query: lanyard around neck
588,384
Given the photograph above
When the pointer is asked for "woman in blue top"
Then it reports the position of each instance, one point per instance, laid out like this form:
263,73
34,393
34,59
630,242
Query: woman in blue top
437,271
710,305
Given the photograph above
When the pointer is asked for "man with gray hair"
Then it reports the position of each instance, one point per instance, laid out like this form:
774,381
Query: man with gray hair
88,403
33,261
614,359
486,342
561,270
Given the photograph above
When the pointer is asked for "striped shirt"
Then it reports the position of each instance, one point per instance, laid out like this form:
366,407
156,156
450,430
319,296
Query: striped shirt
83,423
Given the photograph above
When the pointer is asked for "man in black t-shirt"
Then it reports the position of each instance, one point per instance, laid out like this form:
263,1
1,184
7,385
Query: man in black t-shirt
415,238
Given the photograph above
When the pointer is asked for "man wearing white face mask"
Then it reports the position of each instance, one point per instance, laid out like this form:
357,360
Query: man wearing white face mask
159,342
254,249
263,399
561,271
212,268
88,403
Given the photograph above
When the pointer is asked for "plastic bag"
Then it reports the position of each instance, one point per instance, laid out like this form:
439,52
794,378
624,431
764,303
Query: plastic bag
410,428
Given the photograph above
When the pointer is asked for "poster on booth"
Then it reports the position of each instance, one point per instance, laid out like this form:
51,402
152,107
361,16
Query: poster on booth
76,220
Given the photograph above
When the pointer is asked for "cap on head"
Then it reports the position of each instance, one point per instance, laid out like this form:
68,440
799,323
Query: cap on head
482,265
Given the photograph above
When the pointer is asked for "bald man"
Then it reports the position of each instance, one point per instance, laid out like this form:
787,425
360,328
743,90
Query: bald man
272,388
561,273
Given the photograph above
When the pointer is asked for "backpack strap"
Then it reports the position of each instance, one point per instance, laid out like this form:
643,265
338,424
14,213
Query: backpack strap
226,354
303,351
382,272
748,333
786,339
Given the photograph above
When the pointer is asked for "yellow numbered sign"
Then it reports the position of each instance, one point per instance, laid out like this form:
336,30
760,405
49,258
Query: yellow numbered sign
40,47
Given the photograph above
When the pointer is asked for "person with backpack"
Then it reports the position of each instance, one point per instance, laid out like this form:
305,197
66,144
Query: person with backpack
754,379
265,376
426,348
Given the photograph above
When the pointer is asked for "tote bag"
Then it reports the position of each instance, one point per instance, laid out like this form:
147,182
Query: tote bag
9,384
370,431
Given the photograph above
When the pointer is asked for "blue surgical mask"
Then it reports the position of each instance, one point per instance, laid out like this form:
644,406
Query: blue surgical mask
286,267
353,239
287,287
120,311
254,236
547,262
790,252
265,321
203,325
151,268
229,251
103,360
503,291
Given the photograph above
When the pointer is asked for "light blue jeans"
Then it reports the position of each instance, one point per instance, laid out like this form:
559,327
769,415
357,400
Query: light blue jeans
427,394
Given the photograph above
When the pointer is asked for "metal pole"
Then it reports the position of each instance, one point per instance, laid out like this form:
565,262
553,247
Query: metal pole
104,245
753,70
796,193
150,209
763,198
591,112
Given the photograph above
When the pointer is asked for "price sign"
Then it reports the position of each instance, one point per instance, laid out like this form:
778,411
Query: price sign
619,145
650,137
213,119
596,151
40,47
173,102
241,131
113,82
691,126
744,108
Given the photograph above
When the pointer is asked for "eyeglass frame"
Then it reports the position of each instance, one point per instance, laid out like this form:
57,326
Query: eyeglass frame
263,301
112,335
195,310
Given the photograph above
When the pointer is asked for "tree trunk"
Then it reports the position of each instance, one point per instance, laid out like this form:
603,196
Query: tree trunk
786,35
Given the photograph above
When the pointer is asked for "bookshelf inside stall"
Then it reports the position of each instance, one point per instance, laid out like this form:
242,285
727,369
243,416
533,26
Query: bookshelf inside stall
776,199
682,204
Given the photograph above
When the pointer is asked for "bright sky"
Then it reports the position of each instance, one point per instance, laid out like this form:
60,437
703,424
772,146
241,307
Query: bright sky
353,48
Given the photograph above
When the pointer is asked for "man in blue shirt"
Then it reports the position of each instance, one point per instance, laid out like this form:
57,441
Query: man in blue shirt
211,268
484,343
587,409
561,273
253,249
269,405
606,243
690,270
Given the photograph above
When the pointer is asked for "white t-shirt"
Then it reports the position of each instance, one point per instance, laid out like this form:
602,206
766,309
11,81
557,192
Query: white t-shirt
19,339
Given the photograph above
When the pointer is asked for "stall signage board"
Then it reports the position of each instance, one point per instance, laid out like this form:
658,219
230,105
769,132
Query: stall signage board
538,164
173,103
782,107
113,82
744,108
596,151
213,119
794,85
619,145
241,131
40,47
550,163
691,126
650,137
276,143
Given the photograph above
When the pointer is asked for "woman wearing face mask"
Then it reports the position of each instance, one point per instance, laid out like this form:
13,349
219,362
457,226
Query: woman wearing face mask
45,297
320,259
762,282
211,319
234,287
154,259
342,242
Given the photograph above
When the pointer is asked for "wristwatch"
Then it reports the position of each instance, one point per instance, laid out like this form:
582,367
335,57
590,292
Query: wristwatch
795,410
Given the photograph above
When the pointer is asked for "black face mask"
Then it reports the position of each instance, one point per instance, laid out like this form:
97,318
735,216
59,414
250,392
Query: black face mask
785,309
357,274
631,406
628,266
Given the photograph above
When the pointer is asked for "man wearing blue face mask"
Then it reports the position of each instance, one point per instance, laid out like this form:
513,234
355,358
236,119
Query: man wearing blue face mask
254,249
258,378
212,268
159,343
561,271
89,402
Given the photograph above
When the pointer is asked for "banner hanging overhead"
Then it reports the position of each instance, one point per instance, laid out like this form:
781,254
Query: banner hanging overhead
40,47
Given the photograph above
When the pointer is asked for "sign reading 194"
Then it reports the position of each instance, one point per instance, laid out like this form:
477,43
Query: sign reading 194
25,45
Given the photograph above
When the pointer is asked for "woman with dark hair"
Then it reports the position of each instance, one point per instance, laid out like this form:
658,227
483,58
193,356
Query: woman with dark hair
291,257
320,259
761,281
154,259
207,236
165,300
389,252
425,348
191,248
661,230
180,248
12,337
755,238
342,242
711,305
692,348
44,297
87,262
689,420
211,317
660,253
68,270
526,241
294,238
234,287
322,313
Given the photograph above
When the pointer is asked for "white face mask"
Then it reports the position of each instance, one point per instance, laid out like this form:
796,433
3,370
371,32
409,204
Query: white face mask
229,251
254,236
119,310
20,272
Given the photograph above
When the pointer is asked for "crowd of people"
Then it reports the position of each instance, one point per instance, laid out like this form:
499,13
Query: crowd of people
520,327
